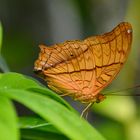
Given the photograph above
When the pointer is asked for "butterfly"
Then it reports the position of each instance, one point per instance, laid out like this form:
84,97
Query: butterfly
83,68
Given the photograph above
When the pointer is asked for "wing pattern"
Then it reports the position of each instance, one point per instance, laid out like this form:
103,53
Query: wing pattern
83,68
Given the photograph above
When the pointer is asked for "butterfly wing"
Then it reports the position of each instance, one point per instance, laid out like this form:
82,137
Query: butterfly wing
83,68
63,66
110,52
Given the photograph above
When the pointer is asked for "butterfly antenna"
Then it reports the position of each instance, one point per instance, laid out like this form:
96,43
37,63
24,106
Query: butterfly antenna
116,92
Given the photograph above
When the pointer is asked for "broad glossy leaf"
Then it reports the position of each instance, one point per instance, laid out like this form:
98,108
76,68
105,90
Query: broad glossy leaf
8,120
18,81
69,123
36,123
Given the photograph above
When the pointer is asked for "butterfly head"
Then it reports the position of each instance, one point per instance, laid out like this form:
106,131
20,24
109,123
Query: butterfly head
38,72
38,68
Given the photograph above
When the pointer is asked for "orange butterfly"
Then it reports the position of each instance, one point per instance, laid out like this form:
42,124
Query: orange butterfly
81,69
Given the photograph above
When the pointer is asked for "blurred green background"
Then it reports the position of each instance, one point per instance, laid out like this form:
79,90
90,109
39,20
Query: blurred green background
28,23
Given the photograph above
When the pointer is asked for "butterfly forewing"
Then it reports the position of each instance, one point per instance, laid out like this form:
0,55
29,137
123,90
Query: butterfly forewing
83,68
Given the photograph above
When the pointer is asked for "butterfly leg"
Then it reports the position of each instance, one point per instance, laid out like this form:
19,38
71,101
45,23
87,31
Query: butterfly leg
86,110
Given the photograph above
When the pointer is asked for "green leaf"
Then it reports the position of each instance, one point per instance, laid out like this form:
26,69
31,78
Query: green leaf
69,123
46,104
40,135
8,120
36,128
49,93
3,65
30,122
12,80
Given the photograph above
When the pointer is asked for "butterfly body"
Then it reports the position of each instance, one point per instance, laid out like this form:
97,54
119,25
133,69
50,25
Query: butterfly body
82,69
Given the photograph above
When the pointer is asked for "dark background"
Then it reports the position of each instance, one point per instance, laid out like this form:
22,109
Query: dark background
28,23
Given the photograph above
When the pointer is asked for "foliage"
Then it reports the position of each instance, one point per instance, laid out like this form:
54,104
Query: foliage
59,117
116,118
58,120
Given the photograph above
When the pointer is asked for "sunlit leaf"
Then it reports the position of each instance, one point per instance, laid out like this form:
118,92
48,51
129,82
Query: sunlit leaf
8,120
37,128
30,122
63,119
23,82
69,123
